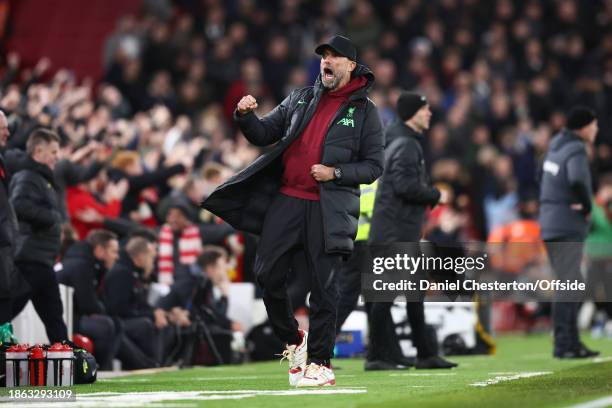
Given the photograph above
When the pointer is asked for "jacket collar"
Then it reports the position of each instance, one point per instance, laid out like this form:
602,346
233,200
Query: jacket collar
41,169
361,93
126,261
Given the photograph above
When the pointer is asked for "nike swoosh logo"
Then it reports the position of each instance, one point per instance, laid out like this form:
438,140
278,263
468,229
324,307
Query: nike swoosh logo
301,102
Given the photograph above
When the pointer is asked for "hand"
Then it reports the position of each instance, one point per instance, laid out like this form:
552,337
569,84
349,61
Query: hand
42,66
161,320
237,327
322,173
246,105
116,191
224,287
89,216
179,316
444,196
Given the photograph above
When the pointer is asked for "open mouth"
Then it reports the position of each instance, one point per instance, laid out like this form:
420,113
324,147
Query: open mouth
328,74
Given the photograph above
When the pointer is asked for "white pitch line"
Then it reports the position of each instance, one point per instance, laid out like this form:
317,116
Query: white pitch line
602,359
598,403
504,373
421,374
161,398
504,378
244,377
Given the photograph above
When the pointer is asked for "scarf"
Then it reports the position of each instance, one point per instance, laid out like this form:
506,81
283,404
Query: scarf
189,246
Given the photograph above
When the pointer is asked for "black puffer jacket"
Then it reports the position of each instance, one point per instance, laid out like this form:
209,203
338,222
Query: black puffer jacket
34,198
8,235
126,290
357,151
403,190
84,272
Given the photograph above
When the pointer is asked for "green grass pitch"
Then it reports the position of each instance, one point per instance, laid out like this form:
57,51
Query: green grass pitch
522,374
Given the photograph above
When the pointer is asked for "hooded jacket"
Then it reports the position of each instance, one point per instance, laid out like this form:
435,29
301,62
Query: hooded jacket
566,180
353,143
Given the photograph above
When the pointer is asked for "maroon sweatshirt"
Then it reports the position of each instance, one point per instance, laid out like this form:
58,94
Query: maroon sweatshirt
306,150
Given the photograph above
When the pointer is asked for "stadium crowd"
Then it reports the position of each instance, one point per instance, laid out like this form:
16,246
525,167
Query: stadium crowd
139,149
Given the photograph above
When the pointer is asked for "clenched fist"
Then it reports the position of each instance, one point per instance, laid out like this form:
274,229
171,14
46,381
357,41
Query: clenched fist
246,105
322,173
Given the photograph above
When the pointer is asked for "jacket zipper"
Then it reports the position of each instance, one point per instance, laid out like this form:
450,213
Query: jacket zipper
321,188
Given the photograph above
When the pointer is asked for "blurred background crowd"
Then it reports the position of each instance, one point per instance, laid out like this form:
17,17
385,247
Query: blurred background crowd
143,143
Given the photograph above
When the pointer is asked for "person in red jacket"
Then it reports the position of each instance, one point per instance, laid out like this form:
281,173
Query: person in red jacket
89,204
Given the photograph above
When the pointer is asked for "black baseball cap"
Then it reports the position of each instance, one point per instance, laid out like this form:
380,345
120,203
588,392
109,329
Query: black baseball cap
341,45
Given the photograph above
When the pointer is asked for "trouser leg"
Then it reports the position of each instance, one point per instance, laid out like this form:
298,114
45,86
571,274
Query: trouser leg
299,280
324,269
141,331
101,330
46,299
565,258
349,284
279,238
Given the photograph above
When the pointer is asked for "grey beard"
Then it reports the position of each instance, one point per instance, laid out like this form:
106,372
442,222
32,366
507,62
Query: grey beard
333,83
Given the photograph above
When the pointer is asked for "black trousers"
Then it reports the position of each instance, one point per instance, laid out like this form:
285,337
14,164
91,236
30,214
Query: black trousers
102,331
349,282
384,343
292,224
45,296
565,255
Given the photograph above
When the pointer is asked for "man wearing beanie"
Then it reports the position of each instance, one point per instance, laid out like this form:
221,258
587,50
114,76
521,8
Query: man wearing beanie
565,207
303,194
403,194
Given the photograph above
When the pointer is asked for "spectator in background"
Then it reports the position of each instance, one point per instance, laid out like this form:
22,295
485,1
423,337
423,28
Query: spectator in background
127,165
69,173
84,267
199,296
126,290
89,204
179,241
599,250
33,194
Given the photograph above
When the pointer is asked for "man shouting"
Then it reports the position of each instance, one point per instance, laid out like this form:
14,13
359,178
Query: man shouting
304,194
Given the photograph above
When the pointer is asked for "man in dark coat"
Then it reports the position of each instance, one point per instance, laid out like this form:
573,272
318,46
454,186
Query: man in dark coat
403,194
34,198
9,275
126,290
304,193
83,268
565,207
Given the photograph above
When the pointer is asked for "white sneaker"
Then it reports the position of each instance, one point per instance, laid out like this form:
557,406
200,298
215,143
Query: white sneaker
296,355
317,376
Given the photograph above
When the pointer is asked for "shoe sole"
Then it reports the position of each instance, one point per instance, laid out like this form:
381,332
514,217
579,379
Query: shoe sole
329,383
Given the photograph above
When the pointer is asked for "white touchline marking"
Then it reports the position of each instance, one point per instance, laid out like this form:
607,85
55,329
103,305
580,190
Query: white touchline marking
421,374
159,399
598,403
503,378
602,359
244,377
504,373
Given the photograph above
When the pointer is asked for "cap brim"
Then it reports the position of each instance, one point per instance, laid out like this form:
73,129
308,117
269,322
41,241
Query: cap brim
321,48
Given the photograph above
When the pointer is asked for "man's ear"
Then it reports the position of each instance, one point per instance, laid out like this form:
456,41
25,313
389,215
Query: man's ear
352,66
